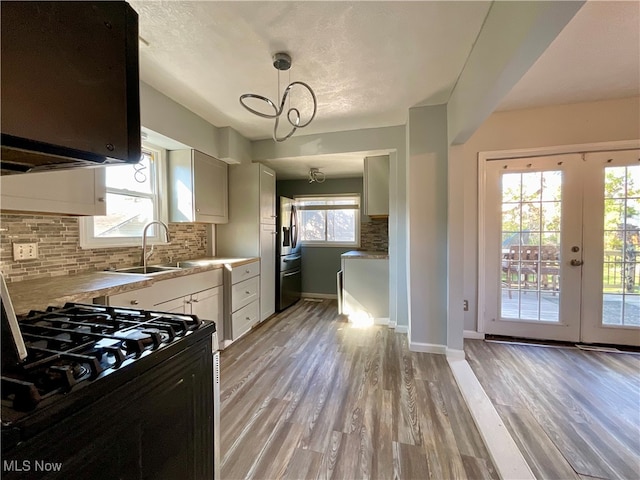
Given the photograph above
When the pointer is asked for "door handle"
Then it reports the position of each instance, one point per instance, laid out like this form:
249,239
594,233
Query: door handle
576,263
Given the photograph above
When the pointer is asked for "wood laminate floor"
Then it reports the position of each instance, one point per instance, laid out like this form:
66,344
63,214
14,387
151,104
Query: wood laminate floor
574,414
307,396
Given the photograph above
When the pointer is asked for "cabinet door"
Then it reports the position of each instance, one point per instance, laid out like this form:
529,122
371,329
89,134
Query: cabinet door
69,192
267,271
376,186
207,305
267,195
210,189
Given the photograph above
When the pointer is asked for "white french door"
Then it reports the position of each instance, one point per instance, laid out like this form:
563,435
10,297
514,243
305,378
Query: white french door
561,247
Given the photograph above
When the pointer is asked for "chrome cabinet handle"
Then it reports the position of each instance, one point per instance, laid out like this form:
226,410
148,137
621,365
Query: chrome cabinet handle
576,263
248,292
195,300
247,271
134,302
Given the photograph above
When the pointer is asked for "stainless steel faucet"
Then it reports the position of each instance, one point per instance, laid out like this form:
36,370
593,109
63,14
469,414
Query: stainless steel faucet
145,257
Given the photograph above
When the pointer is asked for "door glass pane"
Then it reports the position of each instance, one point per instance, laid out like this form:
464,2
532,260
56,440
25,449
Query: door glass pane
621,262
531,216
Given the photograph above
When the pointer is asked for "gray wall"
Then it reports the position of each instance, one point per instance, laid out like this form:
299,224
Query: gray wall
320,264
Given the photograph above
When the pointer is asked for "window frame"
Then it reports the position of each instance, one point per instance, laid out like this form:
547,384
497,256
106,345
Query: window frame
326,243
88,240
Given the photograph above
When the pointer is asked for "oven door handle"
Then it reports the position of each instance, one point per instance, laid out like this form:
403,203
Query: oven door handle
295,272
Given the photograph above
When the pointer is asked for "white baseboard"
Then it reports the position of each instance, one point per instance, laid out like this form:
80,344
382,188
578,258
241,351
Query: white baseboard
400,328
473,334
427,347
330,296
504,452
454,354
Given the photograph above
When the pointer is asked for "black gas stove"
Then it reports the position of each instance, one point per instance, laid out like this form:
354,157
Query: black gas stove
91,371
72,346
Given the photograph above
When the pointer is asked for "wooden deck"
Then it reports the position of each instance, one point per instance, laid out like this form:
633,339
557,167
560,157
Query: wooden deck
544,305
307,395
574,414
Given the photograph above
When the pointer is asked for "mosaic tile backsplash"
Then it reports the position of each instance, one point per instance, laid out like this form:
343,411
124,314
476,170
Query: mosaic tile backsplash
374,235
59,251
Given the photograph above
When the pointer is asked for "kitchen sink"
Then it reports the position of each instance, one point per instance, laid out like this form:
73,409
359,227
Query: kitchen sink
186,264
175,265
150,269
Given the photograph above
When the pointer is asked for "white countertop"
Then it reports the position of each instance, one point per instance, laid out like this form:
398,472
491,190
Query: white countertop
358,254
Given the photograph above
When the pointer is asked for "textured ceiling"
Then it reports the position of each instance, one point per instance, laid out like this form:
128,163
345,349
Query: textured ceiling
368,62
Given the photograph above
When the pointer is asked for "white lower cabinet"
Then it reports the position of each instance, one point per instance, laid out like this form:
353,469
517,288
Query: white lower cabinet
365,292
198,294
242,299
207,305
243,319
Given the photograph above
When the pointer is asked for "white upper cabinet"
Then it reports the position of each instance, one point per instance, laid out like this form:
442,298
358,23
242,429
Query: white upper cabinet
198,190
267,195
376,186
69,192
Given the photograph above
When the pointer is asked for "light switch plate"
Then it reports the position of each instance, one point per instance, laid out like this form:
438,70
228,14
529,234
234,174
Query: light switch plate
25,251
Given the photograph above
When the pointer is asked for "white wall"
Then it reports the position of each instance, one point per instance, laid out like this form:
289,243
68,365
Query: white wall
162,115
605,121
427,205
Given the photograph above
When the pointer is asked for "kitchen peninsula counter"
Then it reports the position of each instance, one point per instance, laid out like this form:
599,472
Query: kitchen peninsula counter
40,293
365,286
358,254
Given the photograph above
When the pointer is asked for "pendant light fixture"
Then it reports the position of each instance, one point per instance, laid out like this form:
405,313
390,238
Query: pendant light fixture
282,62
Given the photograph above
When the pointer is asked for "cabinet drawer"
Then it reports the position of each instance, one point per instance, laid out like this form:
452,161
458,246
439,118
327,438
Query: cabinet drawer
143,298
244,319
244,293
238,274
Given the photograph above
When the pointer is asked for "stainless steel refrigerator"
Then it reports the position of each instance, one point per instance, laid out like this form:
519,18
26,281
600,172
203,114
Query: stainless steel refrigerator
289,257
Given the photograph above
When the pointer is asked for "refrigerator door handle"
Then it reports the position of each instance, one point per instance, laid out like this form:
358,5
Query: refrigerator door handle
289,274
294,226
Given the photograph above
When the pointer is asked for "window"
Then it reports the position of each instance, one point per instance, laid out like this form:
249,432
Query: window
329,220
132,200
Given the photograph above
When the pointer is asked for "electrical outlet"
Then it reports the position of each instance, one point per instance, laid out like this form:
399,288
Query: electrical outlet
465,305
25,251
